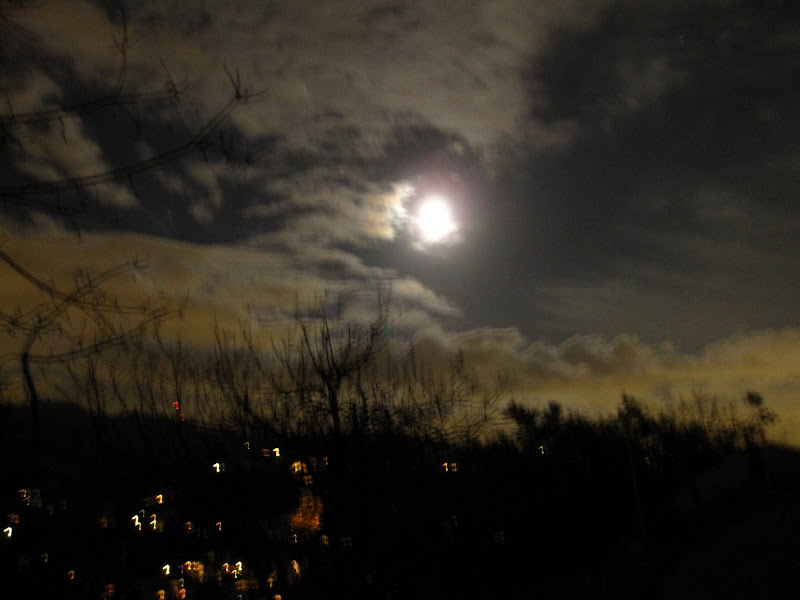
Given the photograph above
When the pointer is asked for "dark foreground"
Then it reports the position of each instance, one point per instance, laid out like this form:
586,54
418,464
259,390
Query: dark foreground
157,508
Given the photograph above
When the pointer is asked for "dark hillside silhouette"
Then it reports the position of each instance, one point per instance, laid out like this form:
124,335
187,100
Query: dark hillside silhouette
561,505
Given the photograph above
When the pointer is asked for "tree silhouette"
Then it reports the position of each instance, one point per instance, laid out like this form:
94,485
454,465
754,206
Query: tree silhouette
69,325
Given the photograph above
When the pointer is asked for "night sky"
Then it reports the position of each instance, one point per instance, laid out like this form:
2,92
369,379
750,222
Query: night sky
622,177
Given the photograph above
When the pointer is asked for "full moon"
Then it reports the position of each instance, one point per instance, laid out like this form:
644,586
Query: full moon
434,220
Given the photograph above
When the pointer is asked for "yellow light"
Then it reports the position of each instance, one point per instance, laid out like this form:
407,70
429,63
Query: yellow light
161,594
165,569
276,451
160,499
239,566
71,574
135,519
153,522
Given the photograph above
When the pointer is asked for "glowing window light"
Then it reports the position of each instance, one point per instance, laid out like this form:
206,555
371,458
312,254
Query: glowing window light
296,568
14,518
182,594
8,531
265,452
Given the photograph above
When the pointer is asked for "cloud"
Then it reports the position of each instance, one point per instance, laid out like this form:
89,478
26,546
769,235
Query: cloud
591,372
227,283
